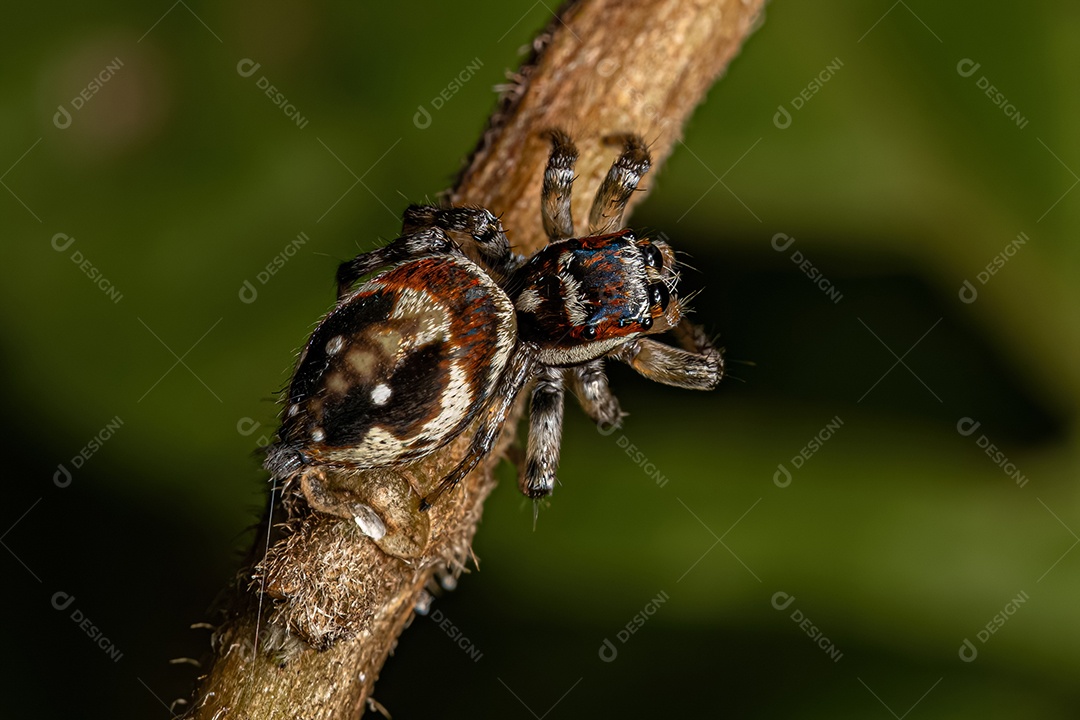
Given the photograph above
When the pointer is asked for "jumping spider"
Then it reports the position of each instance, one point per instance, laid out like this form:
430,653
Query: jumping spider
409,359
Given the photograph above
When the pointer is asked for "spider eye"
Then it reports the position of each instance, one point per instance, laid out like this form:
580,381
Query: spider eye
645,322
658,295
653,257
588,332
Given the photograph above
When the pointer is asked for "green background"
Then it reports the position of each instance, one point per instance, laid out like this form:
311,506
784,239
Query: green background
899,538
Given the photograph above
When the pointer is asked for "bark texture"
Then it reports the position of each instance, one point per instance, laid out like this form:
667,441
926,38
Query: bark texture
333,602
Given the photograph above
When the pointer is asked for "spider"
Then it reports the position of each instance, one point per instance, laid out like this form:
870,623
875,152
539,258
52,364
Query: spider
454,331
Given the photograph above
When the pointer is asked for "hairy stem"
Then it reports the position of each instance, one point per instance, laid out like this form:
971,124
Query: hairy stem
602,68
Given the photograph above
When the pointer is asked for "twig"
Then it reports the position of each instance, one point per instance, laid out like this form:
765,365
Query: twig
602,68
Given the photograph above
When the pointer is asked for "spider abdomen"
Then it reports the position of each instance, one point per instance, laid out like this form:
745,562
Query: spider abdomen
399,368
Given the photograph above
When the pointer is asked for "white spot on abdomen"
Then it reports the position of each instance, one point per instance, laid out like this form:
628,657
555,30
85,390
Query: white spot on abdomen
380,394
333,347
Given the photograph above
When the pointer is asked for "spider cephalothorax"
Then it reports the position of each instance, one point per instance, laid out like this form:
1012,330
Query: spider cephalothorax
583,297
451,333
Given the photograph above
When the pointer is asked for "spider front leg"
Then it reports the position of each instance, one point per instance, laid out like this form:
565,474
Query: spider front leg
621,181
558,186
699,367
517,372
590,384
545,434
484,228
428,241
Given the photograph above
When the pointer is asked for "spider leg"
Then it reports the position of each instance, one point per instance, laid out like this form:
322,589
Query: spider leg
481,225
698,367
545,434
691,337
622,179
519,369
429,241
558,183
589,382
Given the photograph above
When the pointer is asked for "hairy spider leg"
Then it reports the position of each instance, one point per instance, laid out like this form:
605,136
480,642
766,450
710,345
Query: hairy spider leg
537,479
558,185
589,383
429,241
699,366
621,181
480,224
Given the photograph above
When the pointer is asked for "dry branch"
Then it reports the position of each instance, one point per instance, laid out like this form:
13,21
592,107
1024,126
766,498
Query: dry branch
604,67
